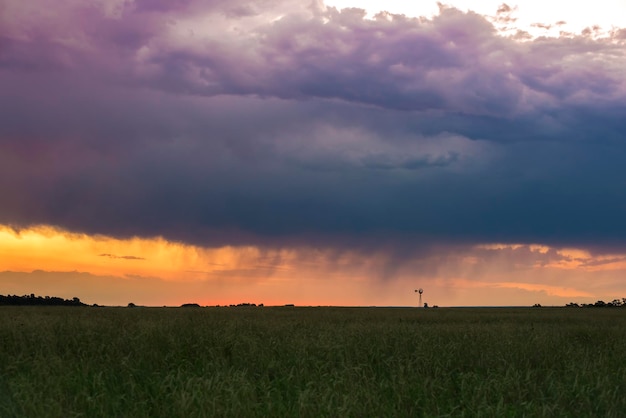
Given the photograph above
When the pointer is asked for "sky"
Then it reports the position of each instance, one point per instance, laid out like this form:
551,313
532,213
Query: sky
340,153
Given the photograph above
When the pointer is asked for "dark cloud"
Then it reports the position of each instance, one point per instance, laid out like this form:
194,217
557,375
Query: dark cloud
268,122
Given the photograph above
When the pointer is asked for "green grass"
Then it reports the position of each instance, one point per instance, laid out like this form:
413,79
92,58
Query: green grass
311,362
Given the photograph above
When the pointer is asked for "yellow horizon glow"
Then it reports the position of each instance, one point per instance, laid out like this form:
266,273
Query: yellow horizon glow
60,250
157,272
560,291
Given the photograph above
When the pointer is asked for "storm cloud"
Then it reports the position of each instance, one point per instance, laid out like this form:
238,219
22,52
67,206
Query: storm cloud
292,123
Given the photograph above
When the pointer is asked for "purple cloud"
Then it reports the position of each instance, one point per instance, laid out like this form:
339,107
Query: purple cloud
237,122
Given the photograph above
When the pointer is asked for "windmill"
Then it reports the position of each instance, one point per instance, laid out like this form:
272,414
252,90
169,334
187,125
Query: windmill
420,291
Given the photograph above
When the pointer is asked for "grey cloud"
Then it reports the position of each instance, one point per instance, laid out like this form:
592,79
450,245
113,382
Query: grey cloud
237,122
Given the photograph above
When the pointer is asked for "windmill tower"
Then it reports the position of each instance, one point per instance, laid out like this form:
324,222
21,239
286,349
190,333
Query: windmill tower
420,291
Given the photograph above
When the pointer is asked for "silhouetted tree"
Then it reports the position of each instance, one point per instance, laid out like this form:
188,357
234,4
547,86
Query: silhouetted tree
615,303
32,300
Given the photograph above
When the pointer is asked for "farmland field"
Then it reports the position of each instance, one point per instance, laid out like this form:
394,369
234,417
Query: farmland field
311,362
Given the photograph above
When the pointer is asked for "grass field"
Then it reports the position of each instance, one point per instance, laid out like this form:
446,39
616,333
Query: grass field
311,362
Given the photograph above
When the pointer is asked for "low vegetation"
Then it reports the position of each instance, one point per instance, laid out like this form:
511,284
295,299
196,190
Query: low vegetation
311,362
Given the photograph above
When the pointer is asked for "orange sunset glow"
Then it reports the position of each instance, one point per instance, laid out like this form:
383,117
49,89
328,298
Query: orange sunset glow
313,153
156,272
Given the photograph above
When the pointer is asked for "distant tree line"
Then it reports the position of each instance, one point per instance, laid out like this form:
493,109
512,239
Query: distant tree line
32,300
616,303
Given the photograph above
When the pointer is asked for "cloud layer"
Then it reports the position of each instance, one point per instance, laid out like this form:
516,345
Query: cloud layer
282,123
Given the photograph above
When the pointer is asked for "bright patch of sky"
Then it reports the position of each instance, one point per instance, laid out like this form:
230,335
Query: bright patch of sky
538,17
